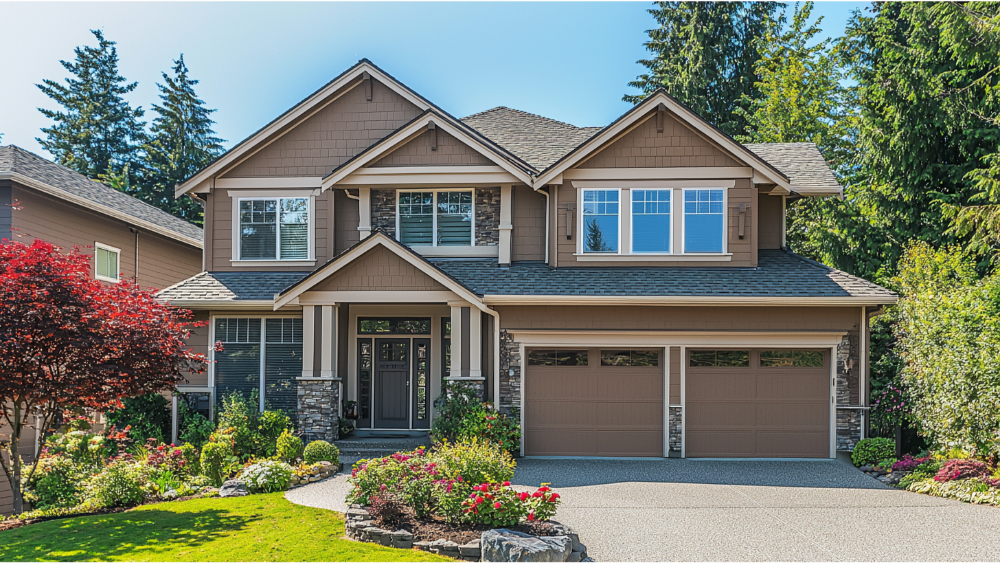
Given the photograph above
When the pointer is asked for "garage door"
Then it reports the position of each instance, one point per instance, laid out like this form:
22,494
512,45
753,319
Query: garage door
593,402
757,403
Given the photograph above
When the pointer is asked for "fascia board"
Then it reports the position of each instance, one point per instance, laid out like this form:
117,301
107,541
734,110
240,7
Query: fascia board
227,305
686,300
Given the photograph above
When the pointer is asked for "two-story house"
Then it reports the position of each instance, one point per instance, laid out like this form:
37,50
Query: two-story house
624,290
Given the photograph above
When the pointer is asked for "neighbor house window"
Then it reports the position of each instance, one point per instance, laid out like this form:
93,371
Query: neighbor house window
600,220
274,229
703,220
106,262
436,218
651,220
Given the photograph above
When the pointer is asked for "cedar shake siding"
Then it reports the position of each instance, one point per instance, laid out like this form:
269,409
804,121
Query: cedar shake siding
676,146
528,218
162,261
419,151
330,136
345,221
379,270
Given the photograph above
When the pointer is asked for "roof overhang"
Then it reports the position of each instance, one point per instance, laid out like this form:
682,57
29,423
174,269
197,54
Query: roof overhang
762,169
348,173
103,209
537,300
222,305
377,238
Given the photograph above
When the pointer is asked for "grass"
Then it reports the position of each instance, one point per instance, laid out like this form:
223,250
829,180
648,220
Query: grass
252,528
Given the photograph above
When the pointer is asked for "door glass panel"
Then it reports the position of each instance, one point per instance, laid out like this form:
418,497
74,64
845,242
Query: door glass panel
420,376
394,326
365,378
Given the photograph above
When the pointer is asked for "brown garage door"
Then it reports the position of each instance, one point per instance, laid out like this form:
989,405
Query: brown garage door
757,403
593,402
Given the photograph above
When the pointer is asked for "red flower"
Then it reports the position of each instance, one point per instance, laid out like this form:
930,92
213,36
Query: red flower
496,505
536,494
479,500
531,516
506,483
553,497
523,496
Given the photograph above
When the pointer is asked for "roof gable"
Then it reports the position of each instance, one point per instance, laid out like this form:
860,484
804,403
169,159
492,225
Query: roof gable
432,148
379,269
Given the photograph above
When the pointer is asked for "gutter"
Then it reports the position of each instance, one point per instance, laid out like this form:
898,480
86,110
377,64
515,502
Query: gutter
222,305
685,300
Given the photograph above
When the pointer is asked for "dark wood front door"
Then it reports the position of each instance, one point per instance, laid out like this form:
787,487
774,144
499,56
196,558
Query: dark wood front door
392,383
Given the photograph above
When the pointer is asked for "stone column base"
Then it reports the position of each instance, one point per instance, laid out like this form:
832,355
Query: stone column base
319,409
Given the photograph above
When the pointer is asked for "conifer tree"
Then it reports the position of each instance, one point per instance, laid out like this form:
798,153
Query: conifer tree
704,54
182,142
97,129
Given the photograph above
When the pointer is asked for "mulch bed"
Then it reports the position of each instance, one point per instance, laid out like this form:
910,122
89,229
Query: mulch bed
433,527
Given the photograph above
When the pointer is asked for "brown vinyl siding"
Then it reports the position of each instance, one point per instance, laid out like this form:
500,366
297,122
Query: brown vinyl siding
676,146
5,210
221,240
27,449
331,136
198,341
528,220
418,152
379,270
346,221
770,221
743,252
162,261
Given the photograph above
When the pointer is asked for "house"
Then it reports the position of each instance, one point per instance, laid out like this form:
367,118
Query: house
625,290
127,238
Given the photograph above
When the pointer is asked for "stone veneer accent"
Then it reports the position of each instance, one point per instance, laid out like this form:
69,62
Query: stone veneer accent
509,396
319,408
383,204
848,429
487,216
674,419
848,391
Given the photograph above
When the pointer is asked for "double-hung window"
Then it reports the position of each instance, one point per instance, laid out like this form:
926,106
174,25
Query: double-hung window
274,228
703,220
106,262
651,221
600,221
436,218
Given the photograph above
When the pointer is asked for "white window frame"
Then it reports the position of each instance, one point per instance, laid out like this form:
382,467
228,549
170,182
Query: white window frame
670,228
579,227
434,216
118,262
310,260
725,223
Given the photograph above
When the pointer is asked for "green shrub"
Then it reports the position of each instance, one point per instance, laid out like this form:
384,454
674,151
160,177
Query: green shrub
148,415
195,428
463,416
57,483
120,484
491,426
215,461
457,401
289,447
254,434
267,476
271,424
871,451
82,447
192,459
321,451
474,461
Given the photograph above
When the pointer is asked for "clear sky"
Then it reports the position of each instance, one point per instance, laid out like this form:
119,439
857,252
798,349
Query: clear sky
570,61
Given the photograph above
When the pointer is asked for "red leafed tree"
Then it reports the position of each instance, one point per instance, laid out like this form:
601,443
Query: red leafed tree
67,340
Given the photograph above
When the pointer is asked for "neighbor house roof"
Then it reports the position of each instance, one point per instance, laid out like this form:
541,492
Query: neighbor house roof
807,170
58,181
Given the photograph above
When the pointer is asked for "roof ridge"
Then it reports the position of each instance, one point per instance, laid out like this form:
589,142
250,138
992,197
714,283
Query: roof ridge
522,112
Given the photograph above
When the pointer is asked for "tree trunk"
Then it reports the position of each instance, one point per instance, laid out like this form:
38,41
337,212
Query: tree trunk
899,441
15,459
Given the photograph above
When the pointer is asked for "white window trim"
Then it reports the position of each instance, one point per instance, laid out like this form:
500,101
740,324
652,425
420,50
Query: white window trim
579,227
118,262
670,227
725,223
311,218
434,217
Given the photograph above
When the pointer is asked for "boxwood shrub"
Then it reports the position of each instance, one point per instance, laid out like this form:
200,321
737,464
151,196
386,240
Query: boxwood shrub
870,451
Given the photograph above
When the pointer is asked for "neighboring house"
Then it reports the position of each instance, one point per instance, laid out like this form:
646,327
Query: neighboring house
624,290
127,238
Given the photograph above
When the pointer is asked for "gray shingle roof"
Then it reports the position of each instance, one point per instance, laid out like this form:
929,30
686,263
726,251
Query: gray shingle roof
59,181
804,165
779,274
537,140
230,286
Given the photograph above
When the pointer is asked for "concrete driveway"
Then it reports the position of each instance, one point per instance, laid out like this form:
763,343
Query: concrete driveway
673,509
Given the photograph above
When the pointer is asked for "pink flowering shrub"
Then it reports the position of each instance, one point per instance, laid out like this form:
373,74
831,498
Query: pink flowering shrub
909,463
497,504
962,469
161,457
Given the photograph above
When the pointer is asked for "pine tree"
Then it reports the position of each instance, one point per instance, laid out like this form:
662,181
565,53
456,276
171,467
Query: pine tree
595,238
182,142
704,54
97,130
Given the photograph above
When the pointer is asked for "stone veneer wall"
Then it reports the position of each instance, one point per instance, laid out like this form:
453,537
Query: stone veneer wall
383,204
487,216
509,394
319,408
674,436
848,393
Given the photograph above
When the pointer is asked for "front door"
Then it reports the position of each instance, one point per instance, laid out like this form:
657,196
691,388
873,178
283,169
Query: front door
392,383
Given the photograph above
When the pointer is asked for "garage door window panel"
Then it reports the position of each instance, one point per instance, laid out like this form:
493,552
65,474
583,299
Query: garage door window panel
792,359
630,358
557,358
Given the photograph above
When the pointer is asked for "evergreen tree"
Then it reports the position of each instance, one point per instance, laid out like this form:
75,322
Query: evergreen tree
96,130
595,238
182,142
704,54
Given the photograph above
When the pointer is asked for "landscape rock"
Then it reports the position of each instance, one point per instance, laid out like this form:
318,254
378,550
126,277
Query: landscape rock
170,494
508,545
471,549
564,530
233,488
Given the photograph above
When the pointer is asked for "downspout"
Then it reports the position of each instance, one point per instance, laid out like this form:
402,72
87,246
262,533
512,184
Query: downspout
136,270
547,213
496,355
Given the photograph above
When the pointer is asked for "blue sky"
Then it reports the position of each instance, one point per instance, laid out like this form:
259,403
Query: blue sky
570,61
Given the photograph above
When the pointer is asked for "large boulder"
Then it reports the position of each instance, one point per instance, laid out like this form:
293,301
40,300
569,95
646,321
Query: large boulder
508,545
233,488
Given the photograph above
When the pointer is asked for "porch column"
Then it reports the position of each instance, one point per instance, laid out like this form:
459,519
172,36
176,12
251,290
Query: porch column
328,342
456,339
308,340
505,224
365,211
475,344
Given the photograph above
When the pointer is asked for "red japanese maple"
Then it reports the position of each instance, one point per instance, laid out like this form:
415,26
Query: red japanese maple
67,340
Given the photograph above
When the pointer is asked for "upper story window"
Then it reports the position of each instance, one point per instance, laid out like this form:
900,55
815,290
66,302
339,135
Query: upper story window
106,262
703,220
274,228
436,218
650,220
600,220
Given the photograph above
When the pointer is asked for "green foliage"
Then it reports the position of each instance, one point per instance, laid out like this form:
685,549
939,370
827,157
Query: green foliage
704,54
192,459
457,401
85,448
949,337
966,490
193,427
270,425
254,433
463,416
474,461
96,130
120,484
871,451
57,483
147,415
321,451
215,461
289,447
267,476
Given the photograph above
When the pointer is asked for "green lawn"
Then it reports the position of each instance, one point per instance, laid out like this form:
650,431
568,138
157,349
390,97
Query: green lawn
253,528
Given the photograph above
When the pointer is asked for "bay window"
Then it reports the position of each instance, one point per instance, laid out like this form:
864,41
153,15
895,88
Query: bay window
435,218
274,228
